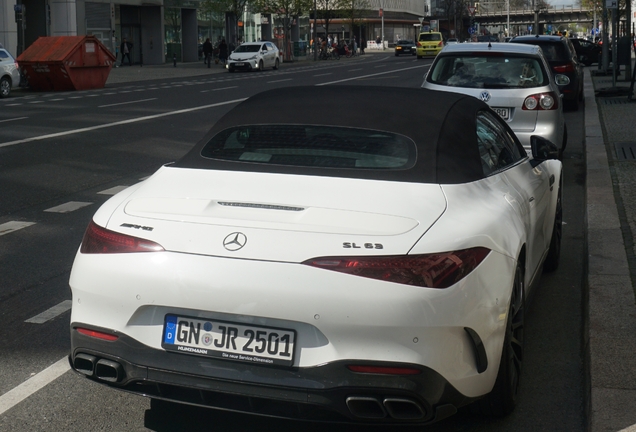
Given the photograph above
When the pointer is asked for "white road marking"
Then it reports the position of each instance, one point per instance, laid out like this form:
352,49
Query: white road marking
353,70
113,190
33,384
122,122
11,226
34,102
330,73
126,103
76,97
18,104
54,100
13,119
277,81
364,76
68,207
51,313
222,88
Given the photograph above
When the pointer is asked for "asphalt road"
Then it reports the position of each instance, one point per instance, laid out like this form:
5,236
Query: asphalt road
64,154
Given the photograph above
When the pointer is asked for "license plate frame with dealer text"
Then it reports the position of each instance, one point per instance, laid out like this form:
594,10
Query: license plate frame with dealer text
228,340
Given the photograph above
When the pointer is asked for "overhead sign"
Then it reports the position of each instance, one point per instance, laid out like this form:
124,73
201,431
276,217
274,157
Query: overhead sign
611,4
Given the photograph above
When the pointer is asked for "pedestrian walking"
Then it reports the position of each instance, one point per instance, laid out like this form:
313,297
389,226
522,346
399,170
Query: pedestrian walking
223,51
125,49
207,52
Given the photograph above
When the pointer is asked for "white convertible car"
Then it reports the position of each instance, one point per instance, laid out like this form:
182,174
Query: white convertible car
351,264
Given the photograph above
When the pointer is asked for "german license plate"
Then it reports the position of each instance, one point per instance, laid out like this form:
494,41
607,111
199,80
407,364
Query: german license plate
504,113
430,52
228,340
239,64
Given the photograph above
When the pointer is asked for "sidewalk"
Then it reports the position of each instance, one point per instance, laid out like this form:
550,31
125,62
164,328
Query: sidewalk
610,341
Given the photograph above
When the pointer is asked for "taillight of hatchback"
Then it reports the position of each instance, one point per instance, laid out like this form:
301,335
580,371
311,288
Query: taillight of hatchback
98,240
541,102
437,270
563,68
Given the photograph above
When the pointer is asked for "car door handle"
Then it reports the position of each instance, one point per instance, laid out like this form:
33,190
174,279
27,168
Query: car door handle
531,199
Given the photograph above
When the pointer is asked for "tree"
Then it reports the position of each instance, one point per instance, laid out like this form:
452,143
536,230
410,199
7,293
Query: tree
234,8
287,10
328,9
354,11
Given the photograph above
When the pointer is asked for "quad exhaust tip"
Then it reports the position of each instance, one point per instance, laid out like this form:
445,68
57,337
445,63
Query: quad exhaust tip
105,370
396,408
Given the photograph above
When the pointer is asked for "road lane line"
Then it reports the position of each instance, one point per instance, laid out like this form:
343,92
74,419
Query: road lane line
126,103
68,207
277,81
33,384
222,88
13,119
118,123
365,76
11,226
113,190
51,313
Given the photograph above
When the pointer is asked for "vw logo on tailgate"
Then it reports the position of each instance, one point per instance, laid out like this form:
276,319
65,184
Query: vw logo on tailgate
484,96
234,241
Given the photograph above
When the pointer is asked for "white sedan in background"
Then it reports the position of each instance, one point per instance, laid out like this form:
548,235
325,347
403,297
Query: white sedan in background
254,56
320,265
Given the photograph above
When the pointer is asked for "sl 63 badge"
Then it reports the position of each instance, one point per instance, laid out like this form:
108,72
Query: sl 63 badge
348,245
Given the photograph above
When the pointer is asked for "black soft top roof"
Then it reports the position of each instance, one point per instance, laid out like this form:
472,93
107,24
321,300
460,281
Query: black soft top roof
441,124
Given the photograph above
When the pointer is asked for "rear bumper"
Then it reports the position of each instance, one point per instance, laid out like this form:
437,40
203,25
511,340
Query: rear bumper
328,392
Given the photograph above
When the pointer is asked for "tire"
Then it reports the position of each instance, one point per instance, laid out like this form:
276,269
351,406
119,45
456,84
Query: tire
276,64
551,262
419,57
397,55
502,400
260,65
5,87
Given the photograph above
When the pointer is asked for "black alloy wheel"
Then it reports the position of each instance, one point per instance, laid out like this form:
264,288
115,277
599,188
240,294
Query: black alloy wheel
502,400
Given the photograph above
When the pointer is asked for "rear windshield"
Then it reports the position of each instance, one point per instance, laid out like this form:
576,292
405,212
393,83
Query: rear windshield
553,51
248,48
475,70
426,37
405,42
312,146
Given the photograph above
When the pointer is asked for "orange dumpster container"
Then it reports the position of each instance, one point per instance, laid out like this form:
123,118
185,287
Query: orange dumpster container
66,63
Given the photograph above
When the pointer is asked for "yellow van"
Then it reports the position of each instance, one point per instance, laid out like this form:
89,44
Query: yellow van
429,44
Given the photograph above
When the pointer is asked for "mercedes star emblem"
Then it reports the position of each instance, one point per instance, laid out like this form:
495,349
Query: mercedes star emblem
234,241
485,96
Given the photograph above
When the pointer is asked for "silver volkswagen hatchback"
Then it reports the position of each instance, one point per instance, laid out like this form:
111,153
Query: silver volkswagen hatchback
514,79
9,73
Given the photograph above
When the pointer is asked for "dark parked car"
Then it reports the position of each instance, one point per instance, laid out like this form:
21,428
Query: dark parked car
562,58
588,52
405,46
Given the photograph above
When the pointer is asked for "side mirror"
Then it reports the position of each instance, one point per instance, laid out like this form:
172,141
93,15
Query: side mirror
543,149
561,80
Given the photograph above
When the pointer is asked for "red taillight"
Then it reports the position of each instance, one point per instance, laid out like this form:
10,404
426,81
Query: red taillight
98,240
563,68
438,270
419,44
96,334
541,102
441,43
383,370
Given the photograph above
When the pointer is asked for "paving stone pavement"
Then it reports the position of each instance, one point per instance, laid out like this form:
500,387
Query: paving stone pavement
610,143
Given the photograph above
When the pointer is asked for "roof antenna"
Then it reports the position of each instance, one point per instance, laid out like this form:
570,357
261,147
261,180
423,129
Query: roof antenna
489,44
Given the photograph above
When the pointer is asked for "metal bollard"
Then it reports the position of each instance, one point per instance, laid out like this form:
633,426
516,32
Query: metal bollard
174,60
